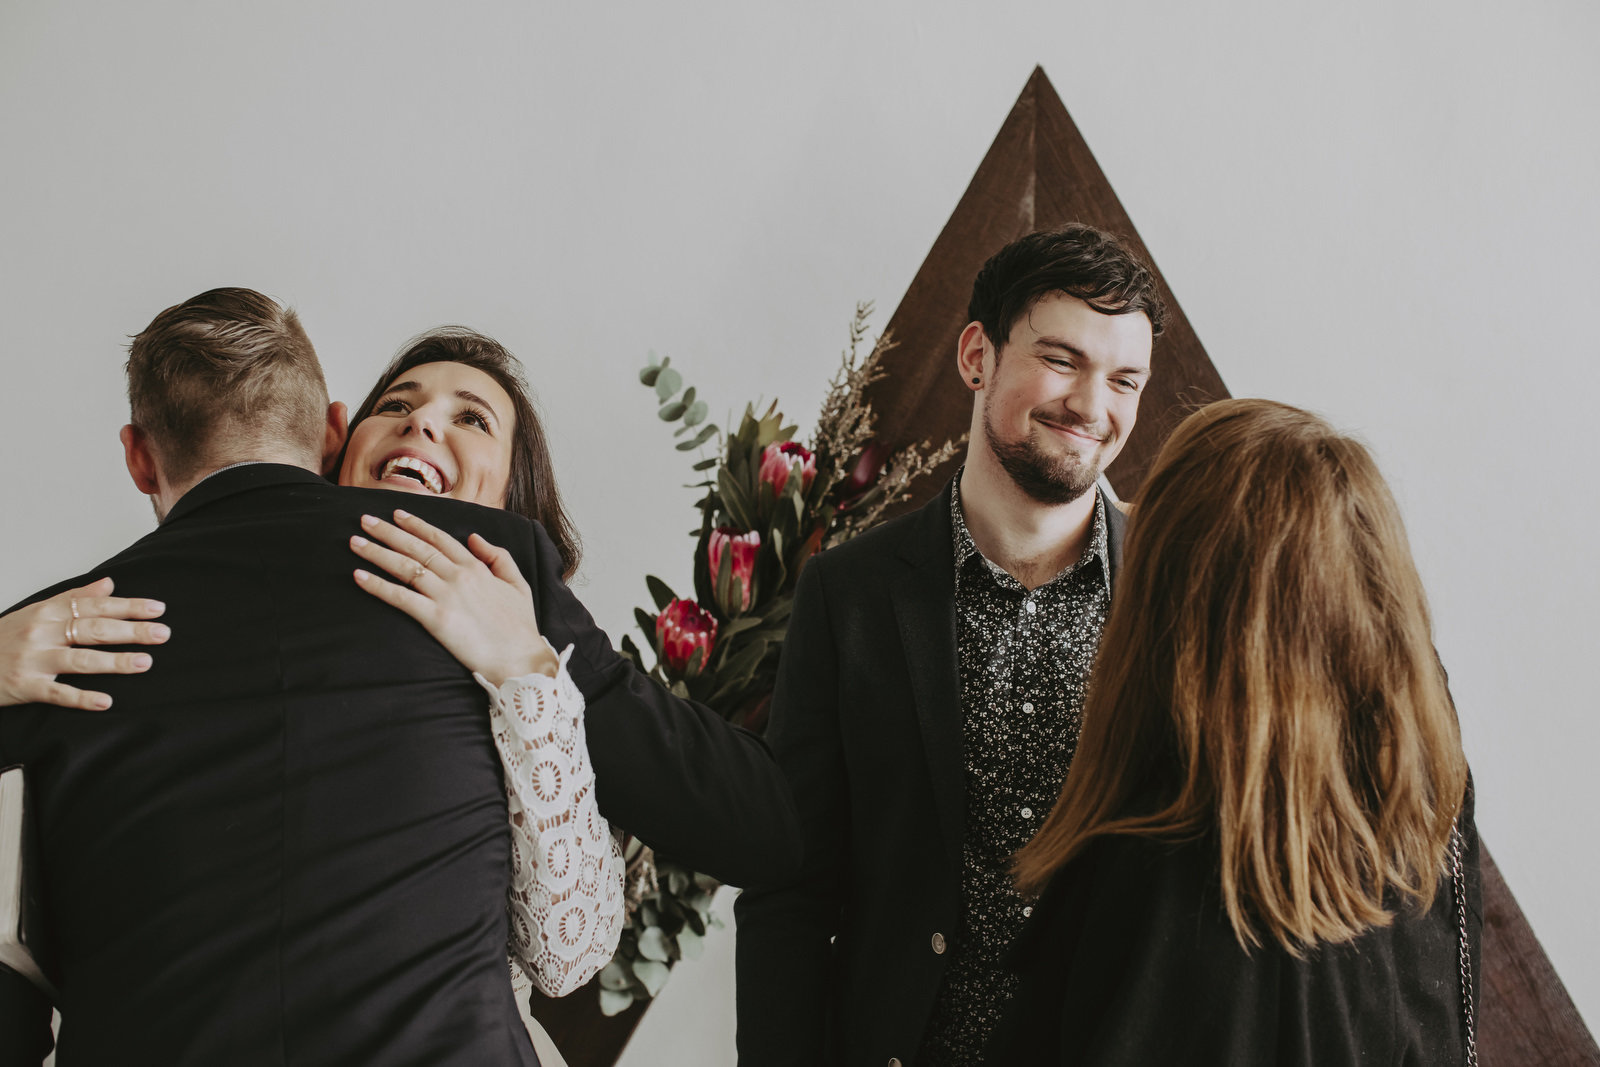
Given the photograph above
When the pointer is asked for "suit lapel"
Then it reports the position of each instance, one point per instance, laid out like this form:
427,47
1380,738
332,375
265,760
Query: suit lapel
923,592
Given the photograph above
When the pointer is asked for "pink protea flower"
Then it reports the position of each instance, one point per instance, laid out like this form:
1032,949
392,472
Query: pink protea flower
682,627
745,545
781,458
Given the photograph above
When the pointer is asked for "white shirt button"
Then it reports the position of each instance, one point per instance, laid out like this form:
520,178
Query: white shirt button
938,944
1027,707
1027,813
1032,607
1027,911
894,1061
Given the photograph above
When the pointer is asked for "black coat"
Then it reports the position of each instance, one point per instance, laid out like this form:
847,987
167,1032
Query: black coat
840,966
287,843
1129,960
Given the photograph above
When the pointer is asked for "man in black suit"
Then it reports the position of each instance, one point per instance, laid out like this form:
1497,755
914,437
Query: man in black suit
932,683
287,843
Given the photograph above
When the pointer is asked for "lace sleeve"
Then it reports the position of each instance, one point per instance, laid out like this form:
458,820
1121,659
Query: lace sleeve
565,904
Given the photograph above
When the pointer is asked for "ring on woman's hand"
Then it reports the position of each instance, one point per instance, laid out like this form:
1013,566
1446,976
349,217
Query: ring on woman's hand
72,602
427,564
72,630
416,574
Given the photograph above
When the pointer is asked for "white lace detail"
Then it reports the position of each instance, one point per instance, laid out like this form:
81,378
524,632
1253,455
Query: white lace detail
565,904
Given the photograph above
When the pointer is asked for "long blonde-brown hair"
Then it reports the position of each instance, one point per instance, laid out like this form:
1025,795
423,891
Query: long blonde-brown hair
1267,681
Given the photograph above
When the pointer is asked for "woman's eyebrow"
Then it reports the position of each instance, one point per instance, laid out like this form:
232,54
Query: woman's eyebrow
473,398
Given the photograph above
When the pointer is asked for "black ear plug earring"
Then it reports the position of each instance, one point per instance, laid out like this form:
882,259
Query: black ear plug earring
976,381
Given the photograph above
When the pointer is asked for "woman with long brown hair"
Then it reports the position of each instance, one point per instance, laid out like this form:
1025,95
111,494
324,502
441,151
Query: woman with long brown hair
1265,851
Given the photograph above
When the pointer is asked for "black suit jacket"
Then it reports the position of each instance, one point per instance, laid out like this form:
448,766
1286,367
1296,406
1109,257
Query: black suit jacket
839,966
1129,959
287,843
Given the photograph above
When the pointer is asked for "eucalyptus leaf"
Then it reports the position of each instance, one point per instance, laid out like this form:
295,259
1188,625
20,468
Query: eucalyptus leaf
660,592
672,411
653,945
707,464
695,924
615,976
677,882
688,396
653,974
649,375
614,1003
698,439
668,383
650,917
696,413
690,944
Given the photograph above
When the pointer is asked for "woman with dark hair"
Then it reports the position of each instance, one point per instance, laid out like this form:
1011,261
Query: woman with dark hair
1265,852
531,487
450,416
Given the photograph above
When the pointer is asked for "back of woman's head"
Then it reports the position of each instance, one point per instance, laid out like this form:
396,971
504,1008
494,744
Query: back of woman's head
532,490
1267,680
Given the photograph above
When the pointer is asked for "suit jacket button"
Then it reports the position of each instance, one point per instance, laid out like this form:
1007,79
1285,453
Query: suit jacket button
938,944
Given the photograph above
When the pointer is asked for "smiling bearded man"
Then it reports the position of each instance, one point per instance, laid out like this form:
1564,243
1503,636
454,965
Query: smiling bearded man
931,686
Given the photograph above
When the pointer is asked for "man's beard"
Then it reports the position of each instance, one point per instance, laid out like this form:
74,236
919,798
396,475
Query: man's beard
1047,479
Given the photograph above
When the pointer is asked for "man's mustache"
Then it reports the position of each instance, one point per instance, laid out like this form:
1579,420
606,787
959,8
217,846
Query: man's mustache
1076,425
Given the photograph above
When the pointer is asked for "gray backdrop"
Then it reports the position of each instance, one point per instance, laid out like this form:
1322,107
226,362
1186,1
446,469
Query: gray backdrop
1384,211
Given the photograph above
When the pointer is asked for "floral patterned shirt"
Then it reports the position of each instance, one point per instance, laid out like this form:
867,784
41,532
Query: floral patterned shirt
1024,659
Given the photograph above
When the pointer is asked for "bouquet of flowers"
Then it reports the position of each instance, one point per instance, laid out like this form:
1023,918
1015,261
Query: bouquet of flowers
770,504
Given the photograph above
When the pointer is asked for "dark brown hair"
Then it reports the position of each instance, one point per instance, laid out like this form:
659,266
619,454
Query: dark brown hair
217,377
532,491
1267,682
1076,259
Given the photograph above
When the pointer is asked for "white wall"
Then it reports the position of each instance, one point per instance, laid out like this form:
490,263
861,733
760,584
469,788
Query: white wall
1385,211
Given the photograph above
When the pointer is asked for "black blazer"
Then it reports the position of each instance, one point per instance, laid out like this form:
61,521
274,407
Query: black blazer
287,843
1129,959
839,966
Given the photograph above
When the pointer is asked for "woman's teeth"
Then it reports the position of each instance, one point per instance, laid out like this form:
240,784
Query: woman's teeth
421,469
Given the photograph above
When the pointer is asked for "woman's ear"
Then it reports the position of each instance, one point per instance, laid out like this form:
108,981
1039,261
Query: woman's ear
334,435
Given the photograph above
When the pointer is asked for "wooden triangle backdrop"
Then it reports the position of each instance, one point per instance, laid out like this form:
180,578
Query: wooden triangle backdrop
1038,174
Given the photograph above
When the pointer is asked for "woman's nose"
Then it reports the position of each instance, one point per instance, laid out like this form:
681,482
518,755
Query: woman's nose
420,421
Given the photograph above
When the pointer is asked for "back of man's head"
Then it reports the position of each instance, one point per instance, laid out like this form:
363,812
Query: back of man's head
224,377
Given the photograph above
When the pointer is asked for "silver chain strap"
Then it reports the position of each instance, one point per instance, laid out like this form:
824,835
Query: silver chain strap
1459,891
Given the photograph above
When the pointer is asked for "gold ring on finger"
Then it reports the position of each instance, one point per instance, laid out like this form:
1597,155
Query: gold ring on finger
72,631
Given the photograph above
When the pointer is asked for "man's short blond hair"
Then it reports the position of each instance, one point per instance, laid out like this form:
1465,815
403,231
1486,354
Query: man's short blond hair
223,377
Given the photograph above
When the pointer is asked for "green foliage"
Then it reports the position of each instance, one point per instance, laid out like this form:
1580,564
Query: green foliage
810,501
669,925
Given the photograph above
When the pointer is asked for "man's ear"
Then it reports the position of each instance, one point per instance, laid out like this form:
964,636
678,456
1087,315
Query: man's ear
970,351
334,435
140,459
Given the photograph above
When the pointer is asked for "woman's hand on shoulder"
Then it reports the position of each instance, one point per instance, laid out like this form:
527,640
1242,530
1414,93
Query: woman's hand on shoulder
47,639
471,598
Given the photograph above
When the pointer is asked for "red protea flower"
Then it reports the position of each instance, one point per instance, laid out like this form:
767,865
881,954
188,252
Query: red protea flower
781,458
745,545
682,627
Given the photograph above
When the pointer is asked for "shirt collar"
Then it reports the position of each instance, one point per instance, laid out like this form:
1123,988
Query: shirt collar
967,548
